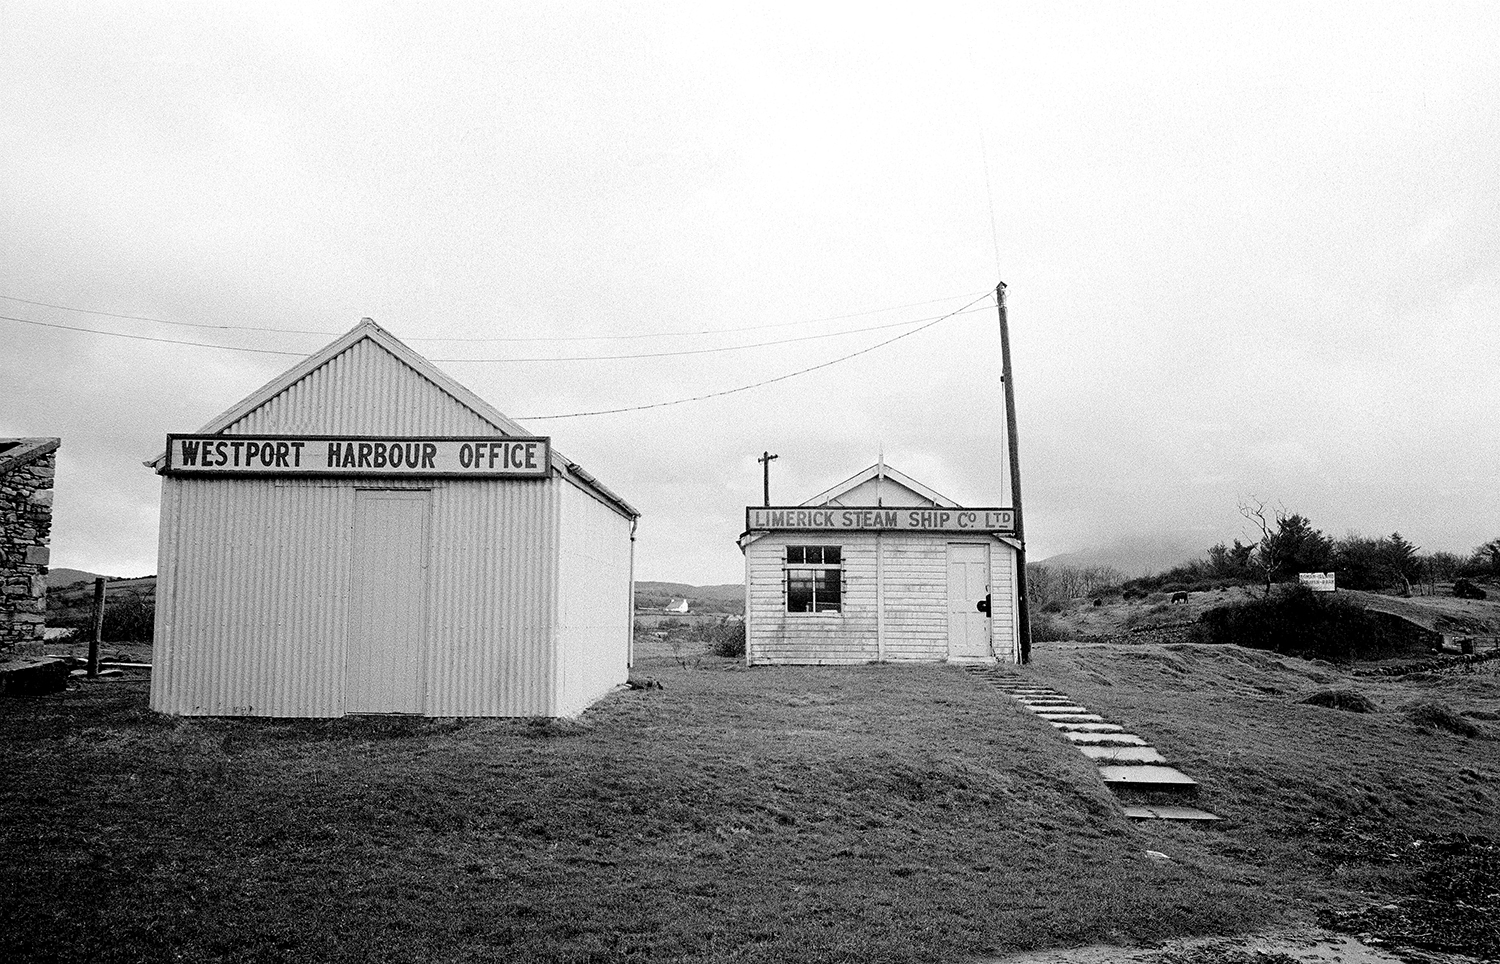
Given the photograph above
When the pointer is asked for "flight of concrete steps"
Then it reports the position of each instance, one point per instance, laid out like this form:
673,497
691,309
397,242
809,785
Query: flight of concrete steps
1135,772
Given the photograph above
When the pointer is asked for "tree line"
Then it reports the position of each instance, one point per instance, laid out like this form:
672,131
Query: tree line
1289,544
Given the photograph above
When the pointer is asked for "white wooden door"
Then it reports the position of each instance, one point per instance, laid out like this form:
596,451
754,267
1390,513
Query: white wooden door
388,610
968,582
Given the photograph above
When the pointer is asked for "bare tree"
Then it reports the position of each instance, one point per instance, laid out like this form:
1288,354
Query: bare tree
1048,584
1265,559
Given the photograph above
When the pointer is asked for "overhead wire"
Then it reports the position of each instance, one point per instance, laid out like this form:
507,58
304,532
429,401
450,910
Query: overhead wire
536,359
922,324
705,351
455,338
762,383
165,341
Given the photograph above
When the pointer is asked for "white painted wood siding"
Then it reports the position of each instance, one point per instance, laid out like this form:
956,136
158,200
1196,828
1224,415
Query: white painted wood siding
916,597
916,592
886,492
774,635
1003,603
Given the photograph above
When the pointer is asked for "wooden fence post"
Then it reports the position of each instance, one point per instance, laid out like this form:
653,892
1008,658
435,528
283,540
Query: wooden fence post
98,626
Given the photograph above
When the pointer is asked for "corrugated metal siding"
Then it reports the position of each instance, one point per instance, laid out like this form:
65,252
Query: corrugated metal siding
593,635
777,636
253,607
363,391
252,598
494,599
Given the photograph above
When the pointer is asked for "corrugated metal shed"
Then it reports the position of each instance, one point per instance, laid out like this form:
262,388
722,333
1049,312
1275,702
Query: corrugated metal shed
287,594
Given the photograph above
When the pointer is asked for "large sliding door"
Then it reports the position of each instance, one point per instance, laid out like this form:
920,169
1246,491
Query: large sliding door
388,611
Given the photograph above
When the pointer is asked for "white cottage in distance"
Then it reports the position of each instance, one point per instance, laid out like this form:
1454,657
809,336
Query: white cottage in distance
879,568
365,535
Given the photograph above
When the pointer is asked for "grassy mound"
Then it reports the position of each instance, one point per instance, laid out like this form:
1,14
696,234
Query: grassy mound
1434,715
1307,624
1352,701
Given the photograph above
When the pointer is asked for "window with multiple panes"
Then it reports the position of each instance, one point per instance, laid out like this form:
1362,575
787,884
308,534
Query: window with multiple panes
814,579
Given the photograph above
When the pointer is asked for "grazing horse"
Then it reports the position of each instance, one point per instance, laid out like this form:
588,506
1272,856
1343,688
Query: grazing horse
1179,597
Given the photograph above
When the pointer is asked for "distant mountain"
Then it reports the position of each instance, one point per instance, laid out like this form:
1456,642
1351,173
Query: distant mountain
1132,556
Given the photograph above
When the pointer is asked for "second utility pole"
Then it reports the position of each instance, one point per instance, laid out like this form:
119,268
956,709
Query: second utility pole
765,459
1023,610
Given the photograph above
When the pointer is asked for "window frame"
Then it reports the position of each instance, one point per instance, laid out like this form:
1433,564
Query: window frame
816,573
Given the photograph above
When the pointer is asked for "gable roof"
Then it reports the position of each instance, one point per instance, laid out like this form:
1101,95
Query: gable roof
886,473
368,331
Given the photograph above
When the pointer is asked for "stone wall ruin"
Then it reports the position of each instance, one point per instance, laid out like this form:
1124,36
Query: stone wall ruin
27,467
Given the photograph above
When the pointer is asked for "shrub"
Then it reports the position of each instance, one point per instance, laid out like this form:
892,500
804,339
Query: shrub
1350,700
1046,629
1434,715
1464,589
728,639
130,620
1303,623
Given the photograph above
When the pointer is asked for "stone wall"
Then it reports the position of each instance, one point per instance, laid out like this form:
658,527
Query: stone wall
27,467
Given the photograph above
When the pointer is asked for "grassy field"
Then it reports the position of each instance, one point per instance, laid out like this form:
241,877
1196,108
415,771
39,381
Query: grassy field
880,813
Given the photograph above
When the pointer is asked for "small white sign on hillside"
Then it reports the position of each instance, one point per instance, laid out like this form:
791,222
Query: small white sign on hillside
1317,581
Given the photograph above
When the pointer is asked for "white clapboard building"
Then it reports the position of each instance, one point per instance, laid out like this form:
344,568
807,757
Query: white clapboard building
879,568
365,535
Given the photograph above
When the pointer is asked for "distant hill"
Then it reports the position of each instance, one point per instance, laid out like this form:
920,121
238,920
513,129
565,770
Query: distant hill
728,598
70,594
72,603
1135,556
58,578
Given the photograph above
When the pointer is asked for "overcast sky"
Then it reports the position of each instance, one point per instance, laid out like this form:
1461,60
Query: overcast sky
1251,249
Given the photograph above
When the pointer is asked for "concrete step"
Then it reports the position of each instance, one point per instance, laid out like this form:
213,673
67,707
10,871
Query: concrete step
1137,812
1088,727
1105,739
1072,717
1148,779
1057,710
1122,754
1044,700
32,676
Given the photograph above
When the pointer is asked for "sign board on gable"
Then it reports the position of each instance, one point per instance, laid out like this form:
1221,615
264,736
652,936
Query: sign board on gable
880,519
1317,581
353,455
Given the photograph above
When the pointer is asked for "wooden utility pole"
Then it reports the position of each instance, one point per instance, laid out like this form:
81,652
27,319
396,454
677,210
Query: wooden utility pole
765,460
98,626
1023,609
